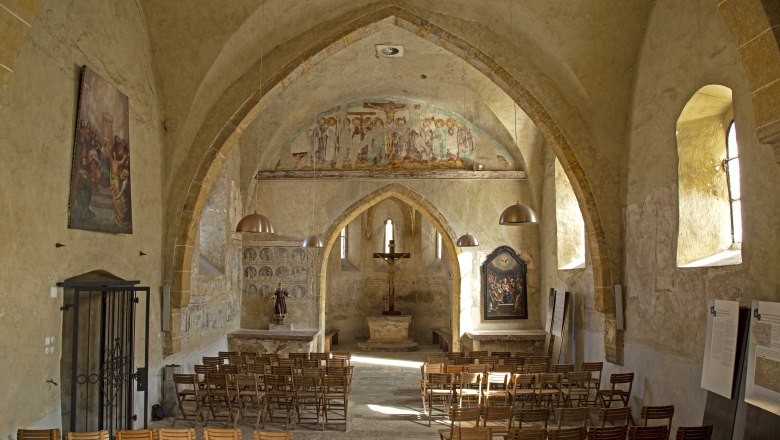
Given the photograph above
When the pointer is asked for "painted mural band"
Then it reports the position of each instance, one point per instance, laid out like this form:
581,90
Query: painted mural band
392,132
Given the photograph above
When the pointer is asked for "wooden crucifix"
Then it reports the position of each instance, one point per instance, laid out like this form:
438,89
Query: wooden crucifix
390,258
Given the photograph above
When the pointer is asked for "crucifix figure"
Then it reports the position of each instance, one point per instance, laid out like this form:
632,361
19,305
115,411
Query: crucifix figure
390,258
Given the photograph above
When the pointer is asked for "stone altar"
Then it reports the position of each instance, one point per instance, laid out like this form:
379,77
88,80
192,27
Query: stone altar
282,342
389,333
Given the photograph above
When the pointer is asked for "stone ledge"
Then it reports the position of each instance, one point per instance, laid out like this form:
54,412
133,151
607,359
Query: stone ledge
507,335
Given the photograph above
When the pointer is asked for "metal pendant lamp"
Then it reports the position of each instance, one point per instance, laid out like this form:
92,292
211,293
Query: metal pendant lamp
312,240
257,222
466,240
517,214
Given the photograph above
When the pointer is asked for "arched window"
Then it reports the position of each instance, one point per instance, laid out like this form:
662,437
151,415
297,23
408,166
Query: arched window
388,234
709,222
343,243
438,245
570,226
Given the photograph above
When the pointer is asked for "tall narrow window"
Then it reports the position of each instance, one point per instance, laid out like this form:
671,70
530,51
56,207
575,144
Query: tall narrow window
388,234
731,166
438,245
343,238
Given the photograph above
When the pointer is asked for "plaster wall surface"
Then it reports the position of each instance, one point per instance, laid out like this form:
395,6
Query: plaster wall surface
685,48
37,120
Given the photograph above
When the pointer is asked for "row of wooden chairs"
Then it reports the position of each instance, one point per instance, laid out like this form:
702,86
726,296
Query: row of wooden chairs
612,433
148,434
291,390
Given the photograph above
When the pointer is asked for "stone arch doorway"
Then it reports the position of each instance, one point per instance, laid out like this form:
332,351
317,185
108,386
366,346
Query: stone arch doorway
553,134
419,203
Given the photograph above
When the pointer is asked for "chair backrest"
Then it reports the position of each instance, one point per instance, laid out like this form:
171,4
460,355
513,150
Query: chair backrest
522,354
647,432
432,368
538,360
298,356
476,368
137,434
336,362
246,382
578,379
175,434
622,379
257,368
665,412
315,371
39,434
221,434
237,359
478,354
471,434
454,369
572,416
561,368
338,371
608,433
310,363
694,432
226,354
259,435
212,360
529,415
282,370
434,358
497,380
94,435
523,381
504,368
465,414
578,433
307,383
229,369
186,380
454,354
206,369
534,368
498,414
591,367
501,354
614,414
528,434
464,360
471,380
291,362
336,384
550,380
440,379
216,381
515,360
318,356
488,360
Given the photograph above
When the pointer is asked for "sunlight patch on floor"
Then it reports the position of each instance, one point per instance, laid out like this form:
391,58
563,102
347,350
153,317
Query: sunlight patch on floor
391,410
387,362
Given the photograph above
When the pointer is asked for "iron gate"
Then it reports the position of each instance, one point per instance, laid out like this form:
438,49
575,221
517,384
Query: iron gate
98,356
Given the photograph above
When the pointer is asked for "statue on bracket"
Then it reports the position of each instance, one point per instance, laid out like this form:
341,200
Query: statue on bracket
280,305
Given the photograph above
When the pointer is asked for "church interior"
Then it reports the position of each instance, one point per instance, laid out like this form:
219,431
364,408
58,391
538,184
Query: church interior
396,138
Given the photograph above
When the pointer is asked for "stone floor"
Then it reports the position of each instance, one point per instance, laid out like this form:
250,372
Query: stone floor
385,402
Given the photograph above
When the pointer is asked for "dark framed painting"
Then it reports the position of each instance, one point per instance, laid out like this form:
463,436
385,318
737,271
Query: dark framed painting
100,196
504,293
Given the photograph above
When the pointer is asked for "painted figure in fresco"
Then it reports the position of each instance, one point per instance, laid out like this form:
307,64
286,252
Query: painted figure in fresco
440,139
280,304
399,137
465,141
330,140
378,143
452,139
427,134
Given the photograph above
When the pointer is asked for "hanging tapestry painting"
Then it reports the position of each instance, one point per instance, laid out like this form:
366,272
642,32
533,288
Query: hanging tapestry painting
503,285
100,172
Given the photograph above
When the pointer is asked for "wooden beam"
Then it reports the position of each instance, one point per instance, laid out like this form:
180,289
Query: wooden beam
391,175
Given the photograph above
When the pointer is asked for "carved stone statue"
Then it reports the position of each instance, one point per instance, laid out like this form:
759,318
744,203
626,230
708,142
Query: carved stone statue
280,305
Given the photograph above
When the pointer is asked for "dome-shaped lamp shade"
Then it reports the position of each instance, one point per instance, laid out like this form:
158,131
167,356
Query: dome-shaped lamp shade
255,223
312,241
467,240
517,215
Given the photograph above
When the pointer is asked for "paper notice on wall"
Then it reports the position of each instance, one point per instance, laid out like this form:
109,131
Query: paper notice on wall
763,371
720,347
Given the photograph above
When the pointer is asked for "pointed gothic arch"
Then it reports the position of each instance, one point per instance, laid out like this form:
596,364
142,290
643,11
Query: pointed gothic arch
405,194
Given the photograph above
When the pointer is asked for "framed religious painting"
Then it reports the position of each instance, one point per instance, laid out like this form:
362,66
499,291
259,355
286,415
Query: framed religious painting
100,172
504,293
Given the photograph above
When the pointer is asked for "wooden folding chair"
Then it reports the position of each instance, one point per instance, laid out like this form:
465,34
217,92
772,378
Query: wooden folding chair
694,432
496,388
136,434
279,389
549,389
472,434
608,433
308,391
439,387
498,414
572,416
577,387
534,368
39,434
469,390
221,434
457,417
562,368
665,412
434,358
212,360
620,389
219,393
250,392
613,415
175,434
523,389
538,360
476,368
225,355
93,435
259,435
595,369
578,433
648,432
425,370
537,418
299,356
527,434
335,398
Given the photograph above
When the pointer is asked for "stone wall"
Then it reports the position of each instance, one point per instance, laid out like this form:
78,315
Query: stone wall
37,122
